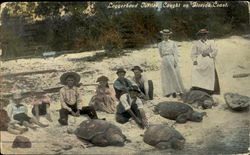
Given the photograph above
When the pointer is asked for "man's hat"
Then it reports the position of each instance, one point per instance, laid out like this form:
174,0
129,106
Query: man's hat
202,31
134,88
137,68
166,31
17,96
64,77
120,70
102,78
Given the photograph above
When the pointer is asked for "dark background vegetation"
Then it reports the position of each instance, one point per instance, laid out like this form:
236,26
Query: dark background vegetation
109,29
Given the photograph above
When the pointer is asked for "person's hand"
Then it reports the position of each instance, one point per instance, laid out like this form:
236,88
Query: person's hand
195,63
77,113
175,64
73,113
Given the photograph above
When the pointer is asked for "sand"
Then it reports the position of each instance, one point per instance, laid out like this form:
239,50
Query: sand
221,131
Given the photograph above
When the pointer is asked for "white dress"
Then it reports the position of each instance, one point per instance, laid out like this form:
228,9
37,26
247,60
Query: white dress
203,74
170,75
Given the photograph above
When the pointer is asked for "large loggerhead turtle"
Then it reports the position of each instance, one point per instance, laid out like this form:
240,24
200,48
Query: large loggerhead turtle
163,137
200,99
178,111
100,133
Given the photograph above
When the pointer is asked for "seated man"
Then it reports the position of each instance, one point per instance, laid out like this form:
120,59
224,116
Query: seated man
41,104
17,112
71,99
145,86
131,106
121,84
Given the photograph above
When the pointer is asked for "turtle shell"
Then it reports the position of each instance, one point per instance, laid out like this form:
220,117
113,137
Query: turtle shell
90,128
172,110
160,133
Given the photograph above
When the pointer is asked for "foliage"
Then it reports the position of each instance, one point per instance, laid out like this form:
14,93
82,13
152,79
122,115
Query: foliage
61,26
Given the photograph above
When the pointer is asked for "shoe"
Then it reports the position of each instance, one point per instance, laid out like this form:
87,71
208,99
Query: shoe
174,95
63,122
168,95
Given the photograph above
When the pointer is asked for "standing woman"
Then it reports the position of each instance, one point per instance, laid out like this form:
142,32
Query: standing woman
204,75
170,75
104,99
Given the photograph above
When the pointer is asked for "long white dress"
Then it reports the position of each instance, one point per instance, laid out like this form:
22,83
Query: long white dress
203,74
170,75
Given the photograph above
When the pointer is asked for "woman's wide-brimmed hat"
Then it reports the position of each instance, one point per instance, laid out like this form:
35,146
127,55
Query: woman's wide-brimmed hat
202,31
17,95
76,76
102,78
134,88
120,70
137,68
166,32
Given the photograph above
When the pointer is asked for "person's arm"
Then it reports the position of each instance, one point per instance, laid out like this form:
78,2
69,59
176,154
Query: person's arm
112,93
10,111
214,50
119,86
146,86
194,54
79,100
160,49
63,104
143,116
25,108
36,106
137,120
176,54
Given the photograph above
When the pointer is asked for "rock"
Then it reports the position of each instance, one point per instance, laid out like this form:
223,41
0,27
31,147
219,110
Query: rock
237,102
21,142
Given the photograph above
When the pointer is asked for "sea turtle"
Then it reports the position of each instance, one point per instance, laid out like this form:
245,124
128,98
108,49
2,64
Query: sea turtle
100,133
237,102
200,99
163,137
178,111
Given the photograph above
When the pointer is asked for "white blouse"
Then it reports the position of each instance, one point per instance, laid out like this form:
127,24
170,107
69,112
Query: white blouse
207,47
168,48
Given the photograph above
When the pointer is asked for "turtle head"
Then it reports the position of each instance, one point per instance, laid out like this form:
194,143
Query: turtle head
196,116
117,140
177,144
156,110
207,104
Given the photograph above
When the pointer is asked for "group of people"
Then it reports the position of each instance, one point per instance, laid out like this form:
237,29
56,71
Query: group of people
126,96
204,74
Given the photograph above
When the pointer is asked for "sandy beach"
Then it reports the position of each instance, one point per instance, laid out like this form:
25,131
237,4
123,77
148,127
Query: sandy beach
222,131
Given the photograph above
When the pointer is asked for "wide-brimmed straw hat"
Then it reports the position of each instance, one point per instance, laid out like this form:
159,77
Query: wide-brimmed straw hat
120,70
17,96
134,88
102,78
64,77
166,32
202,31
137,68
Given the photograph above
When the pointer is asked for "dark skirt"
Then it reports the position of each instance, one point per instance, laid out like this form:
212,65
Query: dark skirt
41,108
22,117
216,87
